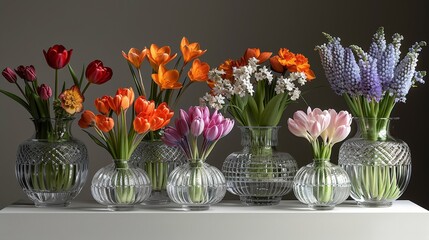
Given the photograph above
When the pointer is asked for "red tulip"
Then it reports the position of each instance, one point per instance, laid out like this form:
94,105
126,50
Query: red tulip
98,74
27,73
57,56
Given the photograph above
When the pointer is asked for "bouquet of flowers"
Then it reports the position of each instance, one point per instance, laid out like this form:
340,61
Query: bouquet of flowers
164,80
52,166
201,177
117,139
372,83
253,95
376,81
194,123
36,97
120,141
322,129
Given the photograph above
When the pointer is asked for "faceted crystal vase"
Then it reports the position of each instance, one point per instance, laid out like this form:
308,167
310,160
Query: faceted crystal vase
378,164
158,160
52,166
120,185
321,185
259,174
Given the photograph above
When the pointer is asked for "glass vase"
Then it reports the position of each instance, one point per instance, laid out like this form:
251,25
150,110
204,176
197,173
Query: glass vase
52,165
259,174
120,185
379,165
196,185
321,185
158,160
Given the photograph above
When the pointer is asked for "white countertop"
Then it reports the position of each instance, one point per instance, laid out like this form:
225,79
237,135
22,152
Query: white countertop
227,220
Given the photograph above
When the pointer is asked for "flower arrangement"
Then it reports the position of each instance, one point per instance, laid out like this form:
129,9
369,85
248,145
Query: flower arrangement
117,139
191,125
251,92
36,98
329,183
165,81
197,182
322,129
376,81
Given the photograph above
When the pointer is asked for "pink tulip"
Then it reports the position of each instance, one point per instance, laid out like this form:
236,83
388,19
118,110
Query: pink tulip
212,133
296,127
182,127
44,91
184,115
171,137
197,127
340,134
228,124
9,75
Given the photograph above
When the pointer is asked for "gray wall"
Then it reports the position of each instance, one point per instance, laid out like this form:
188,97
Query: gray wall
101,29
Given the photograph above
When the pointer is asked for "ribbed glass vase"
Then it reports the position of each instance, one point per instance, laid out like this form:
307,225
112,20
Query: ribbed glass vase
378,164
196,185
120,185
259,174
158,160
52,166
321,185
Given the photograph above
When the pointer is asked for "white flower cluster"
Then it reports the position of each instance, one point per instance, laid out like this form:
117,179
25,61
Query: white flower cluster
243,84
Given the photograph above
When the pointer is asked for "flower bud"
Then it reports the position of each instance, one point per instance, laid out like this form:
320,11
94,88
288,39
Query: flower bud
9,74
44,91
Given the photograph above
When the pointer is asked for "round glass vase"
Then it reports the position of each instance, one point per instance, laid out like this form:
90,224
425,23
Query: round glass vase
52,166
259,174
158,160
120,185
321,185
379,165
196,185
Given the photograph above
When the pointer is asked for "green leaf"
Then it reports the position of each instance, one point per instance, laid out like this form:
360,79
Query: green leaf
272,112
96,140
252,113
81,76
260,97
17,99
73,75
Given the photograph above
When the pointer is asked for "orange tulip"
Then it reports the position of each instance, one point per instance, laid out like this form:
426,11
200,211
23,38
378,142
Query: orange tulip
199,71
141,123
190,51
286,58
119,103
102,105
87,119
135,56
104,123
256,53
167,79
276,65
71,100
128,92
161,117
159,56
144,106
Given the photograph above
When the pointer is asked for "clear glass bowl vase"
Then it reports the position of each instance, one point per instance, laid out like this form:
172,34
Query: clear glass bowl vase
379,165
321,185
120,185
196,185
259,174
52,166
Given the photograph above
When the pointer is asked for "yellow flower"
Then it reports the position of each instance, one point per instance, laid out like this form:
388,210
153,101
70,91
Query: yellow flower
71,100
